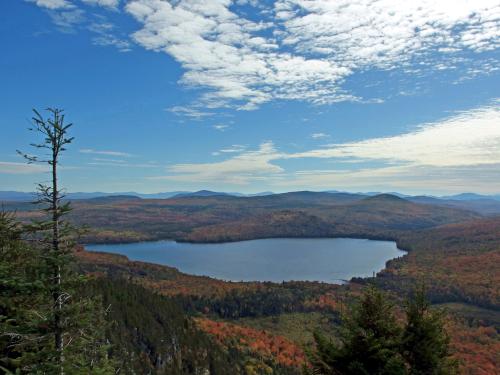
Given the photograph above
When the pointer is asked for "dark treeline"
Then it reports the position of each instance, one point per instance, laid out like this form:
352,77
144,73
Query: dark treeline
264,301
150,333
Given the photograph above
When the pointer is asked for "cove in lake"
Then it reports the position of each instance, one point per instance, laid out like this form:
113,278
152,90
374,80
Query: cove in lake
330,260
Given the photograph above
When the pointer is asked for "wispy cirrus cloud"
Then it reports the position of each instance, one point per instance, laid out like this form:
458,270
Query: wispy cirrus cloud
107,160
233,149
466,139
238,170
460,151
121,164
115,162
221,127
319,135
70,17
67,20
230,150
105,36
428,179
7,167
104,152
191,112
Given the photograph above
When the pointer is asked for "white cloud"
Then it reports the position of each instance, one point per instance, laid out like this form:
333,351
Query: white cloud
229,55
65,4
189,112
386,33
305,49
120,163
66,16
21,168
107,160
468,139
67,20
233,149
53,4
239,170
411,179
105,36
104,152
110,40
114,164
300,49
103,3
221,127
319,135
458,153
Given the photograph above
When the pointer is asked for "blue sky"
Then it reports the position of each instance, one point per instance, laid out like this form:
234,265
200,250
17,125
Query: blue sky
358,95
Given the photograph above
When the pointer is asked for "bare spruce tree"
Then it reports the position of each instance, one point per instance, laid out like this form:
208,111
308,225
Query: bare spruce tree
54,132
75,321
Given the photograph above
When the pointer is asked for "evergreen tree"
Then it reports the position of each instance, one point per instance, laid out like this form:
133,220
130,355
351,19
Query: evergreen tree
23,324
68,329
425,342
370,341
56,236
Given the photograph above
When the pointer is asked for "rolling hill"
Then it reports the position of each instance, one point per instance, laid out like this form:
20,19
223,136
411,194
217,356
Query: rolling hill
229,218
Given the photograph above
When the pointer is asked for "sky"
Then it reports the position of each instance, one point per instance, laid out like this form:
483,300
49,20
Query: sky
250,96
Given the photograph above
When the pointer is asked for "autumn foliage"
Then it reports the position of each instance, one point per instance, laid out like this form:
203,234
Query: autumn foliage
263,343
455,252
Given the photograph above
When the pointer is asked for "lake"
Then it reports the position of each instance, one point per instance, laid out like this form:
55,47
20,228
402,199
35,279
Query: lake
331,260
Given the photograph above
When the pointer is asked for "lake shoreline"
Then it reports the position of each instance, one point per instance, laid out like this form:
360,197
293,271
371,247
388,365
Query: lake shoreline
181,240
277,259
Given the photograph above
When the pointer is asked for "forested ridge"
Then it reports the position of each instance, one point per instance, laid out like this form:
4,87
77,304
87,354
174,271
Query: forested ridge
227,218
150,333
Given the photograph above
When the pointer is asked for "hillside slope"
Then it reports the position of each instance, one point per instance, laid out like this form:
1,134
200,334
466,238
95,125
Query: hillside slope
227,218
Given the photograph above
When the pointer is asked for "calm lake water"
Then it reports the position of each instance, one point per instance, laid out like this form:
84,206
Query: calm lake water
281,259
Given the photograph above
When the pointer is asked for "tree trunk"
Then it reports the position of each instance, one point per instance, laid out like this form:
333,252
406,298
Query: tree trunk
57,294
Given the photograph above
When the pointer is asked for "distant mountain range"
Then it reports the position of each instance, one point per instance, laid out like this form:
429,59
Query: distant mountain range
472,196
29,196
486,204
208,193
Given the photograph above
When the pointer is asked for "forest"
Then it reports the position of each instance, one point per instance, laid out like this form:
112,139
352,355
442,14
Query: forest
65,310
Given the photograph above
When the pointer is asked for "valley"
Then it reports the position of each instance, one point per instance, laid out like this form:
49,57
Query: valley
454,251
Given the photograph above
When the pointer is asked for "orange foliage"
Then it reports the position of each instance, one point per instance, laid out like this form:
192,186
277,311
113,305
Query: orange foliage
282,350
337,299
477,349
326,302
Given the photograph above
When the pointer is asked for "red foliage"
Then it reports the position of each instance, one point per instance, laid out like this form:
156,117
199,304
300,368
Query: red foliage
282,350
477,349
